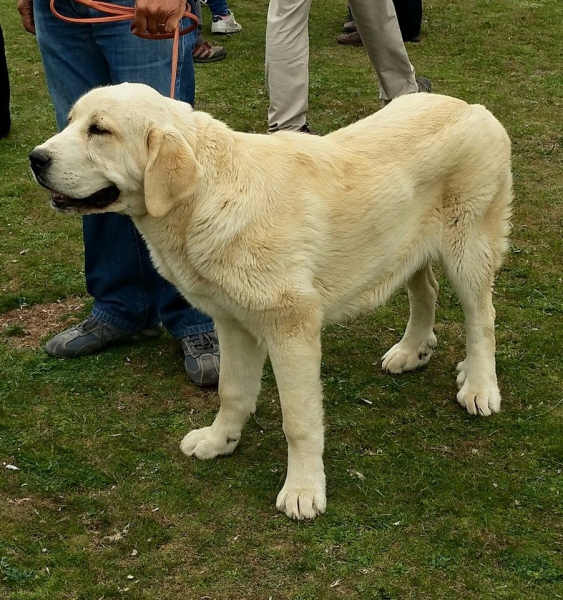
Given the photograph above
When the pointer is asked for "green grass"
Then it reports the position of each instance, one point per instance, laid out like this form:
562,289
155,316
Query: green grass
425,502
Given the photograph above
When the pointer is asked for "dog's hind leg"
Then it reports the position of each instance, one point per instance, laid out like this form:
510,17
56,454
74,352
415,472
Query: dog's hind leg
242,360
470,264
417,345
473,245
477,379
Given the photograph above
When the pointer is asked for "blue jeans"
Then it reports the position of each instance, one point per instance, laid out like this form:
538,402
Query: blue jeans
218,7
127,290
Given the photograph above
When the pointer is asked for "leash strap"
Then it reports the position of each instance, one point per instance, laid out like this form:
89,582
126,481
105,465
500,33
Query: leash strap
127,13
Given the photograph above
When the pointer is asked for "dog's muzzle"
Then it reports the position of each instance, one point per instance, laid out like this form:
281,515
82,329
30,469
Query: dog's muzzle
40,161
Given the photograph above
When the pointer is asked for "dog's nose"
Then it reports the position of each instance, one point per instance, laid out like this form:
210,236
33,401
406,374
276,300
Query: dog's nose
39,159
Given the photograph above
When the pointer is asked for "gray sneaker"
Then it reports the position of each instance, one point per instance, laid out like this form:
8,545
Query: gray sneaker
90,336
201,358
424,85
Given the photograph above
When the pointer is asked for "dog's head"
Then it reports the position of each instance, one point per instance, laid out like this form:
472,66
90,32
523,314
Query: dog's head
121,152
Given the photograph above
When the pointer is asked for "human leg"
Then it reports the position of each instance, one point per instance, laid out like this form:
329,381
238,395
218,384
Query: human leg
349,23
409,15
287,63
380,32
149,62
218,7
5,120
77,58
203,51
134,59
222,19
74,64
127,290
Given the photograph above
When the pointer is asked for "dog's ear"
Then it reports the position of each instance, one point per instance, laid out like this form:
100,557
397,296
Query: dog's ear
172,171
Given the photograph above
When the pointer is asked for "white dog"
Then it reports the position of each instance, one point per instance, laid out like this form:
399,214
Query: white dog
275,236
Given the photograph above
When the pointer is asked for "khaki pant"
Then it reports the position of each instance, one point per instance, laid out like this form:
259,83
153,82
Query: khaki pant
287,56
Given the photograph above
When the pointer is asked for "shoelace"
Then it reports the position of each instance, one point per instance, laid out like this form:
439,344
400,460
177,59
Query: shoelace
86,324
127,13
201,341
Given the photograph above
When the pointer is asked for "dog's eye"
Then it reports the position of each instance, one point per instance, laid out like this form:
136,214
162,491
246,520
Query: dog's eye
95,129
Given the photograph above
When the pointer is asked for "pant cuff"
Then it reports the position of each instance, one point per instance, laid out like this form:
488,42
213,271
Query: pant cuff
116,321
193,329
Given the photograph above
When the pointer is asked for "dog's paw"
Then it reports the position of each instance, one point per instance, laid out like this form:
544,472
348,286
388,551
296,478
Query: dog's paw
407,356
301,503
208,443
478,399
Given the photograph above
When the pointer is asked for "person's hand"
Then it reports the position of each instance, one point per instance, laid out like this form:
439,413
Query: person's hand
25,8
156,16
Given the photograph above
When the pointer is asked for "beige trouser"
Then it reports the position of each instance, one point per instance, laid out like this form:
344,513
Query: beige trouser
287,56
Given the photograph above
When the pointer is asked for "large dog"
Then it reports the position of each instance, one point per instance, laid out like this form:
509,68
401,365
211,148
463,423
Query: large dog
275,236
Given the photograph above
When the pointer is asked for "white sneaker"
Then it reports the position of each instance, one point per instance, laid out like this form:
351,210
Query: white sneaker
223,25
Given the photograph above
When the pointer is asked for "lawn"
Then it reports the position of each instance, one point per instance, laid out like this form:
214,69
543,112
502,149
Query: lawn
424,501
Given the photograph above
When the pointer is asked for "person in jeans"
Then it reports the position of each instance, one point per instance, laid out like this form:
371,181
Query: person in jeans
222,22
222,19
203,51
130,298
287,58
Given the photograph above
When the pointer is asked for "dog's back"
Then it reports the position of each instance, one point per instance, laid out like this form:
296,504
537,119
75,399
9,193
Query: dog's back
415,182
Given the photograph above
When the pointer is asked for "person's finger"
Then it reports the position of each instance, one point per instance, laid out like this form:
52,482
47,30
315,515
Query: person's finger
152,23
173,20
139,23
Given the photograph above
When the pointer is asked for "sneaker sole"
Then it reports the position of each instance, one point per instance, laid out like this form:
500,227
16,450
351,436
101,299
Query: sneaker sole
146,334
209,60
226,31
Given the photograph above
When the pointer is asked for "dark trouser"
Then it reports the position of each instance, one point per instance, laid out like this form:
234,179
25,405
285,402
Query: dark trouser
409,15
5,121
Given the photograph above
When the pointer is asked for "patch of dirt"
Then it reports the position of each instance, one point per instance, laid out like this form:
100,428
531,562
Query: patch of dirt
18,510
25,327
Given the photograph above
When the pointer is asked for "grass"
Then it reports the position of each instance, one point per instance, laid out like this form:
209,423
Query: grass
425,502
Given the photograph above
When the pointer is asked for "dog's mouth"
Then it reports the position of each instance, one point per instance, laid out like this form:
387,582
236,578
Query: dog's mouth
99,199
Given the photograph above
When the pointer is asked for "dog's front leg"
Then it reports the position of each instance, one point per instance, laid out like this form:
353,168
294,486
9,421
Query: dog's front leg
296,360
242,360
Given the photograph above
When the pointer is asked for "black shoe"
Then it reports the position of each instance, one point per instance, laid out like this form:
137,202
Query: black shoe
306,129
424,85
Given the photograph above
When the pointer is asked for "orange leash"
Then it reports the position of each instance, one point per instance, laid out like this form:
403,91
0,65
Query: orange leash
127,13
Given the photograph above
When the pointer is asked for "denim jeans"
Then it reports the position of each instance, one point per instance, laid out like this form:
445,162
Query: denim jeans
127,290
218,7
